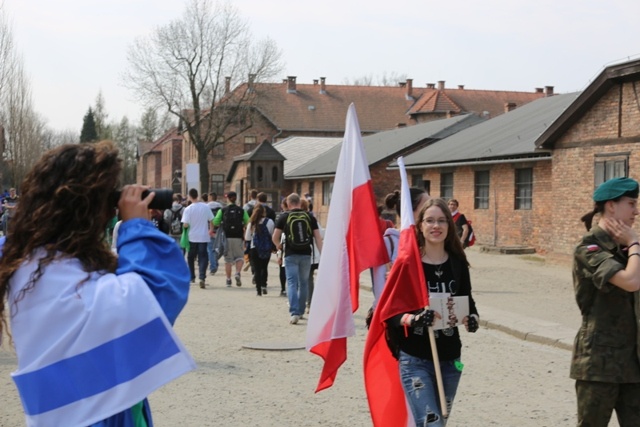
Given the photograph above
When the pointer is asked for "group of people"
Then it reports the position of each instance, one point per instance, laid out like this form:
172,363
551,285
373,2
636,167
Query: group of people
64,276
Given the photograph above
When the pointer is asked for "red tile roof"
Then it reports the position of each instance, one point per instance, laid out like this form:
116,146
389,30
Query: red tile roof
308,108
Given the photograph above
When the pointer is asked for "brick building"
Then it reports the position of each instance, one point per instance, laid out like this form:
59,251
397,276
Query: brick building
526,178
595,139
282,110
160,162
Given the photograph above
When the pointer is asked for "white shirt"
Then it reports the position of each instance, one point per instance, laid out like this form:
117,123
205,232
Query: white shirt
198,215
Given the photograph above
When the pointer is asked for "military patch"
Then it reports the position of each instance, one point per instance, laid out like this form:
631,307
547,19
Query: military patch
592,248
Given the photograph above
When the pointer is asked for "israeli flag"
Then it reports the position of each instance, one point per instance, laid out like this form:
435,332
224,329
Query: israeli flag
89,345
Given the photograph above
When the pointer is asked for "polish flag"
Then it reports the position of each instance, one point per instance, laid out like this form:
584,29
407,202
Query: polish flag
405,291
352,244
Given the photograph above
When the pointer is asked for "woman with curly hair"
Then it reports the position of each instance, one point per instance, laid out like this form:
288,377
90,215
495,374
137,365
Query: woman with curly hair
446,272
92,331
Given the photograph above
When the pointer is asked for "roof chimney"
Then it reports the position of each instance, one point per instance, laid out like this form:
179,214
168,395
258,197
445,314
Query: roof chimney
440,84
461,87
315,82
323,86
548,90
284,81
509,106
402,84
431,85
539,90
252,78
227,85
291,84
409,94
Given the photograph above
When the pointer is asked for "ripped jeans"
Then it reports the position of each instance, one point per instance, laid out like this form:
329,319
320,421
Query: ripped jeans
420,386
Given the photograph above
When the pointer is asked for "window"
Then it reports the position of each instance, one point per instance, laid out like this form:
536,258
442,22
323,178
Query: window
312,186
259,174
217,185
274,175
446,185
418,181
299,188
327,189
609,166
481,190
524,188
249,143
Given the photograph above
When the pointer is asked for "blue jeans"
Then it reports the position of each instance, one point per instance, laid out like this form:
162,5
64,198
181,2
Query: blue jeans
213,259
200,250
420,386
296,268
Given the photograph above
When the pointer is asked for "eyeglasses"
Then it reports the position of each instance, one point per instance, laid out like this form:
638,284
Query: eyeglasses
431,222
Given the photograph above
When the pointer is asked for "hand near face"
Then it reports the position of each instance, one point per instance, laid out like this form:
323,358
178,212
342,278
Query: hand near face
621,233
131,204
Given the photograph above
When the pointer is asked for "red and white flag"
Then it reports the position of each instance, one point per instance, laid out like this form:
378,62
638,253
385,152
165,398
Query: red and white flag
352,244
405,291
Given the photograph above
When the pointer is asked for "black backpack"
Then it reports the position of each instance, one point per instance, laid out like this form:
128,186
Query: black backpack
233,221
176,225
298,231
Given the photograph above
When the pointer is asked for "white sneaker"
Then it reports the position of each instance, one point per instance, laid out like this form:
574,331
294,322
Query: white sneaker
294,319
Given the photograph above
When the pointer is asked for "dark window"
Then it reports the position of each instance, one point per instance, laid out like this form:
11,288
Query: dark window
299,188
312,186
217,185
218,149
446,185
524,188
327,189
610,166
274,175
481,190
259,174
249,143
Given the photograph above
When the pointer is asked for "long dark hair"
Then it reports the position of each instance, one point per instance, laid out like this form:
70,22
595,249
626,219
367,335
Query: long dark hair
64,208
598,208
452,244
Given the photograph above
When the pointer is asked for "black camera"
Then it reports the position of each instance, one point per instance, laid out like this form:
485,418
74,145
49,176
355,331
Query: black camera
162,200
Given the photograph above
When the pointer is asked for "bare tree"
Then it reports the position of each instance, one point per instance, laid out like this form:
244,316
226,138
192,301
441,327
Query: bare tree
152,126
182,67
385,79
125,138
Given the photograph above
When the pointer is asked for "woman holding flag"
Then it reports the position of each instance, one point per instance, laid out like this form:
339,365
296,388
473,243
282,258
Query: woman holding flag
446,271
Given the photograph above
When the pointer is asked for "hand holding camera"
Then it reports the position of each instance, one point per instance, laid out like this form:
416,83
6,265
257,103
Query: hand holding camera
132,204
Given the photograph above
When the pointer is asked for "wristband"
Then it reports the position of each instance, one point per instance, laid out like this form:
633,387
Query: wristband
633,244
635,253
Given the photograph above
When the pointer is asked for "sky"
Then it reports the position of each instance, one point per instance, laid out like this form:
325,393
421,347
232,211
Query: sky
74,49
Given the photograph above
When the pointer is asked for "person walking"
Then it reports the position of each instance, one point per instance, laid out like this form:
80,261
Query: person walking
299,229
197,219
9,205
258,235
233,219
446,272
606,279
462,225
215,206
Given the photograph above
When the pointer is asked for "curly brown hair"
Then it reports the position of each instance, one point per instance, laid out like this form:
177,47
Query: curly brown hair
452,244
66,202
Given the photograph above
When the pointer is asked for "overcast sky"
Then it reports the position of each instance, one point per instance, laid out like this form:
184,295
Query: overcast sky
75,48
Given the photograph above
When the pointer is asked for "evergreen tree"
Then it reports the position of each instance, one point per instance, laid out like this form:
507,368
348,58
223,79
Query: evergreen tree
88,133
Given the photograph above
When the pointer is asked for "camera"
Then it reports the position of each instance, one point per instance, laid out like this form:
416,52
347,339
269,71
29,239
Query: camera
162,200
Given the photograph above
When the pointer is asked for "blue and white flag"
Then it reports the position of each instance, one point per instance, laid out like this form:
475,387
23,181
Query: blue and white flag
89,345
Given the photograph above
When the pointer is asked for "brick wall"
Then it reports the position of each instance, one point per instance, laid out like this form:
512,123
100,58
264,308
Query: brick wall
612,125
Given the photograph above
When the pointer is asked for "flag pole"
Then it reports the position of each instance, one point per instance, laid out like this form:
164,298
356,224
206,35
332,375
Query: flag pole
436,367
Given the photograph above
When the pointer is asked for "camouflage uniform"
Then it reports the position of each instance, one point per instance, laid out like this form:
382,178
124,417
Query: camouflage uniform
605,362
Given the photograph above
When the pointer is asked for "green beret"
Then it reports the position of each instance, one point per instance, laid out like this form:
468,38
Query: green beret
615,188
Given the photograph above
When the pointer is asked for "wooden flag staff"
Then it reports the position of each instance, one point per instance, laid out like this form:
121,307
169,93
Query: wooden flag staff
436,367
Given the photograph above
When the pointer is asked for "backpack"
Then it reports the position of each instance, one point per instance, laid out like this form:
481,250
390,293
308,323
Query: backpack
262,241
176,224
233,221
298,231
